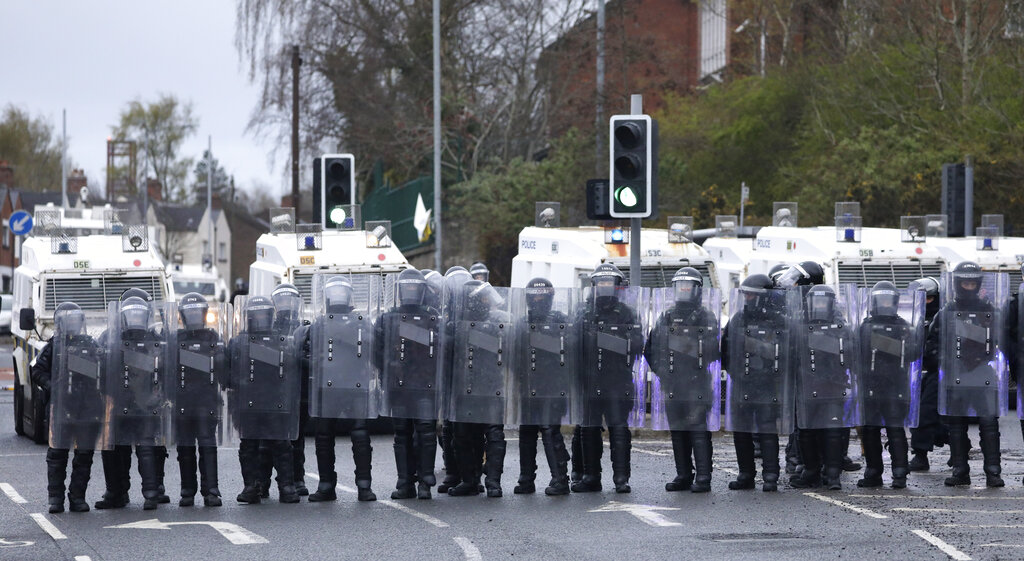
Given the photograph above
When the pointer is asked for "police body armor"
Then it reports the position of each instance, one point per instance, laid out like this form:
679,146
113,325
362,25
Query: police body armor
409,363
78,405
199,383
611,376
890,362
482,354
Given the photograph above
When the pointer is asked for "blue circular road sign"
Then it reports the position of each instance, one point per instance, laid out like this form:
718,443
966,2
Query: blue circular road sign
20,222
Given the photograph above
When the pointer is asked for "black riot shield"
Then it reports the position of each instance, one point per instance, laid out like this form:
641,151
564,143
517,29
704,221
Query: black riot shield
826,376
544,373
343,379
612,370
973,366
77,387
139,369
481,356
891,348
684,357
760,382
199,383
408,355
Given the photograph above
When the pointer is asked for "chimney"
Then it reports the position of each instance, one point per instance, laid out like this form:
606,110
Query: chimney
154,190
215,201
6,174
286,201
75,183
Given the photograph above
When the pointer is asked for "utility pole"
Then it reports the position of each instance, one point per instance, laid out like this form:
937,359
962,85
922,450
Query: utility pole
296,63
64,158
209,198
437,136
636,107
601,126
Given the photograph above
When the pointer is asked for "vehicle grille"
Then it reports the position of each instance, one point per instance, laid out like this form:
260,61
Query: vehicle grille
304,282
867,273
94,293
656,276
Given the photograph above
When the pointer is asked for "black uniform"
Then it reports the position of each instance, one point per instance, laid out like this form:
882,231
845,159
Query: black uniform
202,366
931,431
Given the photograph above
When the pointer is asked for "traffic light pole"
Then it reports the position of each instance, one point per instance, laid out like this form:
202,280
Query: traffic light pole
636,107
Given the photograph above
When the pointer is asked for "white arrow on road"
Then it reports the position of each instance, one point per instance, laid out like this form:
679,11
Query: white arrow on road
646,513
232,532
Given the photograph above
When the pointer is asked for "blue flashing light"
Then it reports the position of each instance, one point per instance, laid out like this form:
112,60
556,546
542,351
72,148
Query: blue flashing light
617,235
848,235
987,243
309,242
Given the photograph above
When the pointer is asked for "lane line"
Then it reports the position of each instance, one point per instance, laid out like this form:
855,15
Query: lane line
949,550
651,452
1001,526
940,497
48,526
854,508
10,492
82,558
24,454
468,549
1002,545
910,509
400,507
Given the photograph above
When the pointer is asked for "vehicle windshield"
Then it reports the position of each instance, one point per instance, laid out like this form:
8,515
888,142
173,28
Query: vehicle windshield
204,288
6,305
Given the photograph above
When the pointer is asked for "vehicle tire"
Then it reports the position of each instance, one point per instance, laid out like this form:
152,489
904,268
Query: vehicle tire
19,405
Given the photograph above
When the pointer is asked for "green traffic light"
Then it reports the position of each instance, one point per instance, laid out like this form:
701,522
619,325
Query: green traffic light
626,196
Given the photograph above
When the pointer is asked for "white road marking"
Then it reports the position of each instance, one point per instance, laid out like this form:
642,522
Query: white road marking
645,513
941,497
5,543
10,492
48,526
468,549
949,550
910,509
1004,526
82,558
1016,545
25,454
400,507
231,532
730,471
651,452
854,508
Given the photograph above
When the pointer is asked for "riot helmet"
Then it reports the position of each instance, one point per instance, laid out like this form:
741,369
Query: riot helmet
453,281
192,309
687,285
967,281
259,314
239,283
338,295
287,301
136,293
885,299
606,279
821,304
540,295
930,286
455,269
435,285
776,272
68,319
135,313
806,273
480,271
412,288
755,290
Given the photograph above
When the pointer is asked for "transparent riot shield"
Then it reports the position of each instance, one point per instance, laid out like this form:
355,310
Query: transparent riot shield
685,361
757,347
343,379
891,349
77,389
543,377
198,385
264,401
973,367
1020,352
140,367
612,369
481,355
451,287
407,352
826,376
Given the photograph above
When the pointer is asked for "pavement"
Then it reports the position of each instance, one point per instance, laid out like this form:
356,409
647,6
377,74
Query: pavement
924,521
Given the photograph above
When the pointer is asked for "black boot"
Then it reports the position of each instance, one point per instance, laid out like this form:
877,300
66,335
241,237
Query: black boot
147,456
702,451
898,450
249,461
620,445
466,453
919,462
209,486
989,430
959,446
81,468
682,454
160,455
592,446
266,471
326,490
810,476
116,496
404,488
362,455
56,473
187,464
744,442
835,445
299,465
558,460
848,463
769,461
577,454
871,440
451,466
495,460
426,453
284,463
527,460
793,457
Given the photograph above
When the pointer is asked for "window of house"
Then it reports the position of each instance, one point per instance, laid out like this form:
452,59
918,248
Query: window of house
222,252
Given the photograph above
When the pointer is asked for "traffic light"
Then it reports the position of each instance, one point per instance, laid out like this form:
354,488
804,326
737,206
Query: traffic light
633,166
334,185
597,199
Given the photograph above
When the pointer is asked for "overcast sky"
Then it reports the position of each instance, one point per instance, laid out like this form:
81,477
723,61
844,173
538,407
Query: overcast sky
92,57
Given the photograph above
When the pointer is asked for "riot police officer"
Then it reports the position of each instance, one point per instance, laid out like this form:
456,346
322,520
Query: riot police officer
69,370
930,431
342,385
612,341
480,272
682,350
889,349
265,400
198,400
454,278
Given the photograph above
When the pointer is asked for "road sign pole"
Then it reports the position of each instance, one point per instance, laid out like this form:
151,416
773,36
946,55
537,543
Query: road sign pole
636,107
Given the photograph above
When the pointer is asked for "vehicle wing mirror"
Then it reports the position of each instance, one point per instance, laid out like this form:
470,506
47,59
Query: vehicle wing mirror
27,319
